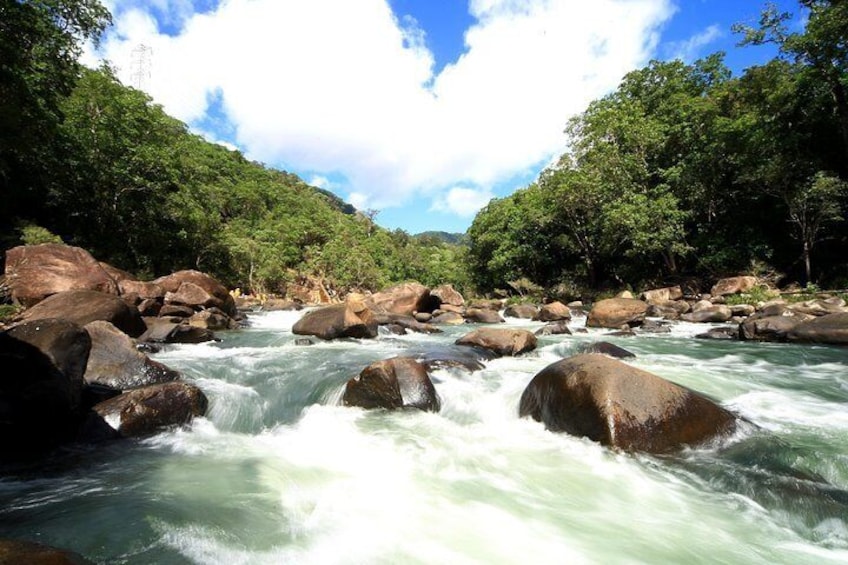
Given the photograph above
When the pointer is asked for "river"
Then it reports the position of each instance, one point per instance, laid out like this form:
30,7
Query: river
279,472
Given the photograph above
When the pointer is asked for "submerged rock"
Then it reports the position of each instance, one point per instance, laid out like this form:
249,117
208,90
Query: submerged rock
30,553
400,382
621,406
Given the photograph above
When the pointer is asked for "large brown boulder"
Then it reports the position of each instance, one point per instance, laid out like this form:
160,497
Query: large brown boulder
144,411
734,285
522,311
500,340
349,319
616,312
174,330
144,290
404,299
401,382
553,312
14,552
621,406
115,362
768,328
220,296
34,272
661,295
830,328
483,316
85,306
714,313
447,294
42,365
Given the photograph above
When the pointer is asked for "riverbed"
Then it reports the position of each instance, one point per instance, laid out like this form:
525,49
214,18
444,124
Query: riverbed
279,472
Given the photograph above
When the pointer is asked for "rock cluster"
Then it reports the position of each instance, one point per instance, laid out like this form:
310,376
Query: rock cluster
72,366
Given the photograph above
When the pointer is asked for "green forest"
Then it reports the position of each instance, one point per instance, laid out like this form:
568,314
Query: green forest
687,171
684,171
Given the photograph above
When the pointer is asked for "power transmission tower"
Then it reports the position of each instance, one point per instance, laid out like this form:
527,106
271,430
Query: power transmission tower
142,56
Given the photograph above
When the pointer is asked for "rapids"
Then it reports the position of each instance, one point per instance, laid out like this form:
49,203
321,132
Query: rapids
279,472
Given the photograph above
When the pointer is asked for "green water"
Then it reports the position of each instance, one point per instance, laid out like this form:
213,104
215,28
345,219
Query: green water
280,473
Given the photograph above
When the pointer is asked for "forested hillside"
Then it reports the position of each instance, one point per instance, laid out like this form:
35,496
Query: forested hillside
101,166
685,170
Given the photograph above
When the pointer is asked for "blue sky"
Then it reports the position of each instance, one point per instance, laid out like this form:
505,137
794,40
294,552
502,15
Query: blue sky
421,109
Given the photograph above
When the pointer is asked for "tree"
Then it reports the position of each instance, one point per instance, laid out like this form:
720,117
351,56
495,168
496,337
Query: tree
811,208
40,42
822,48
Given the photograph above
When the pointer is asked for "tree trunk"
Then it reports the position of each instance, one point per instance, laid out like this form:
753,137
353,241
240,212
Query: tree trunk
807,261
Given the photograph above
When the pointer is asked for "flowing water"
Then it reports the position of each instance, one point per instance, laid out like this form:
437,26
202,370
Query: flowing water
279,472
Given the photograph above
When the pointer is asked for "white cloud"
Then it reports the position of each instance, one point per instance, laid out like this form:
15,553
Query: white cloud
690,49
347,86
464,202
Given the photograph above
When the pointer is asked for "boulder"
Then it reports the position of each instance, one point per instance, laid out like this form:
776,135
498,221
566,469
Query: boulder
820,307
178,310
401,382
31,553
214,293
734,285
484,304
447,294
482,316
308,290
625,294
406,322
715,313
144,290
830,329
423,317
280,304
522,311
144,411
449,318
769,328
606,348
405,299
34,272
553,312
85,306
349,319
174,330
742,310
655,327
660,295
500,340
724,333
554,328
621,406
115,362
616,312
211,319
41,388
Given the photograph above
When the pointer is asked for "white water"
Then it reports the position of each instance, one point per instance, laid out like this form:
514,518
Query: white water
278,472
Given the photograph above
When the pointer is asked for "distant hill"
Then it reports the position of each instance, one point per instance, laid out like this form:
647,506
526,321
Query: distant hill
447,237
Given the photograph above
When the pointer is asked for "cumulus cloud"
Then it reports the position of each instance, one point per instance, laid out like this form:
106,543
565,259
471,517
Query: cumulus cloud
690,49
348,86
463,202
